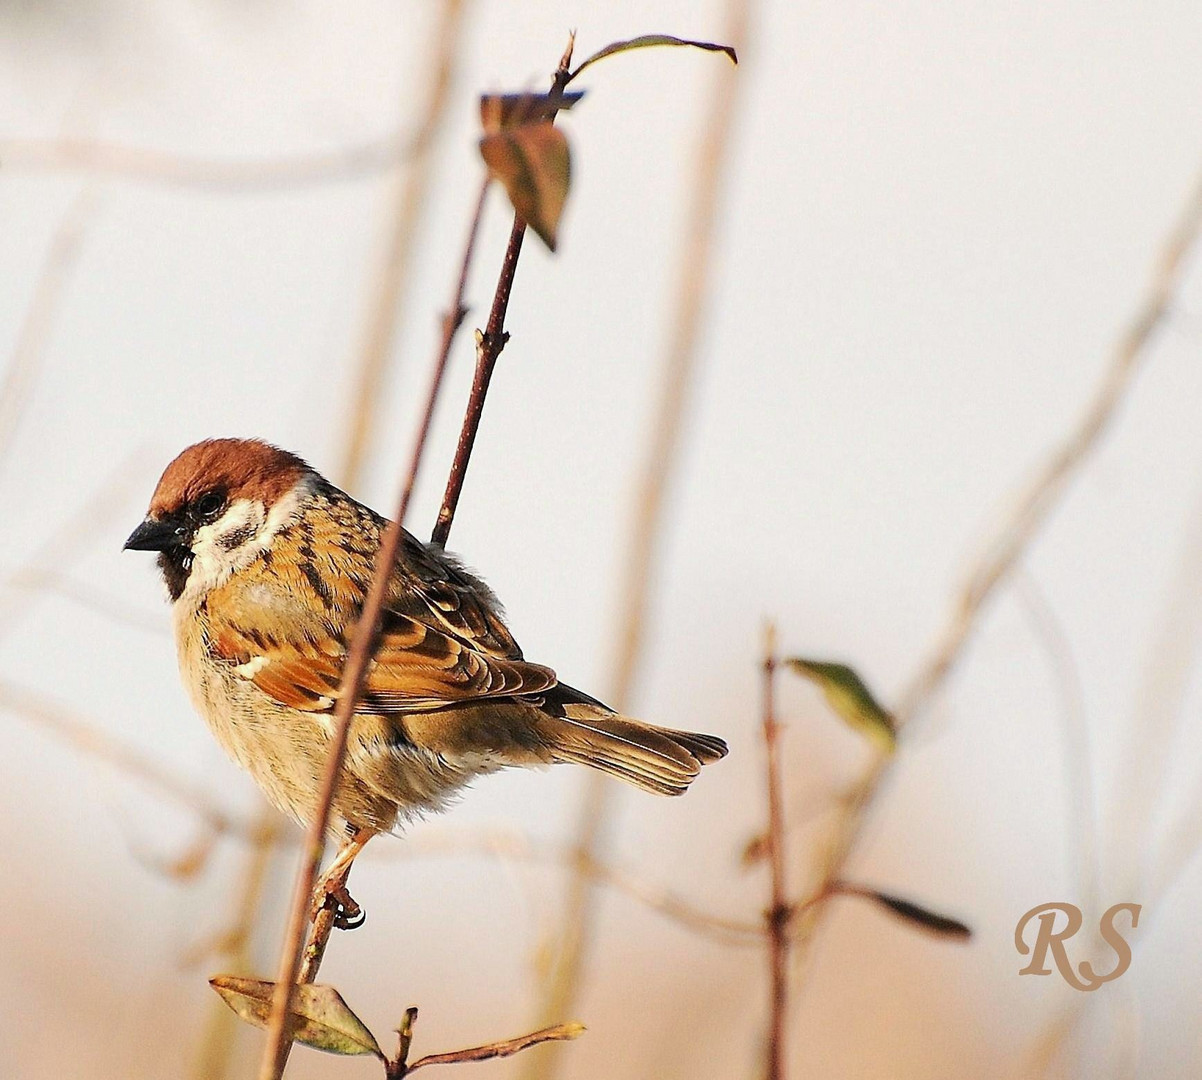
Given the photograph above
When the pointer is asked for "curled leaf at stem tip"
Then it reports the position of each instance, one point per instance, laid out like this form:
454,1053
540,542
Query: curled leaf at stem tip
647,41
850,698
319,1017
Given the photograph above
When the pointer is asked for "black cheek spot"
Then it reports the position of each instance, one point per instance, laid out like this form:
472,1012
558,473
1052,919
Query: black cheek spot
236,538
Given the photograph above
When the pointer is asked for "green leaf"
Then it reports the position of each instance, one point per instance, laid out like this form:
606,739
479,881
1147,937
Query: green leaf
501,111
533,164
850,698
650,41
940,925
320,1017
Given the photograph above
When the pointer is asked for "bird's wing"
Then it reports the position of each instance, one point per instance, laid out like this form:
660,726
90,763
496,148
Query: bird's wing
285,625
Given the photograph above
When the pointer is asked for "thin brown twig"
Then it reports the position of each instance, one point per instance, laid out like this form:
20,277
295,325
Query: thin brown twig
32,341
386,306
350,690
657,470
488,348
398,1068
779,914
300,958
504,1048
489,344
1040,497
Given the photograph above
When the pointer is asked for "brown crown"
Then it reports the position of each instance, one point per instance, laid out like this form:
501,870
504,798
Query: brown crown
241,468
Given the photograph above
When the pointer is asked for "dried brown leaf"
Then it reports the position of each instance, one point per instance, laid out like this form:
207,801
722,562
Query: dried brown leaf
533,163
499,112
320,1017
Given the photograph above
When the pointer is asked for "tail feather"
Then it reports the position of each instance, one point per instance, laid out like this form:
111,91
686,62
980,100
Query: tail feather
705,748
655,759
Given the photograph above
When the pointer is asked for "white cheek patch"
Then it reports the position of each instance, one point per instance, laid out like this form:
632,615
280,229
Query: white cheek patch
286,509
236,538
221,548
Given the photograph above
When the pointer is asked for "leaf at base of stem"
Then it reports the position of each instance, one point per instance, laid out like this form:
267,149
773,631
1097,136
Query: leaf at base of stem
320,1017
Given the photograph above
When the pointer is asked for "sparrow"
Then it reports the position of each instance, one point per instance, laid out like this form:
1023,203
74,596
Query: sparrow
267,565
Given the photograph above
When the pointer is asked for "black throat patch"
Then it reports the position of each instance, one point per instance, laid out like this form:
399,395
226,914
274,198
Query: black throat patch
176,565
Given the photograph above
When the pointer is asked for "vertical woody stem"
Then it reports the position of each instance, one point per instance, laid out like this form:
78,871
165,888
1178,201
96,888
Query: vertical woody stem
778,913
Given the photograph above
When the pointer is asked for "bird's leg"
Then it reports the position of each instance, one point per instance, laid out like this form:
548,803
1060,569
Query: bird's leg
331,890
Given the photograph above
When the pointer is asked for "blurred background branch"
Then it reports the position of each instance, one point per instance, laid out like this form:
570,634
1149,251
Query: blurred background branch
33,342
636,588
1013,537
93,157
384,322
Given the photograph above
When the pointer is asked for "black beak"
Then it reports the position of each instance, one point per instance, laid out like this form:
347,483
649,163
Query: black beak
154,535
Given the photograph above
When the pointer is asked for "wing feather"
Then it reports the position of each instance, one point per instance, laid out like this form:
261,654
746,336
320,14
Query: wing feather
442,639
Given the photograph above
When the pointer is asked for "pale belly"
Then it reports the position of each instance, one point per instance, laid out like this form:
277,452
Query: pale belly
385,778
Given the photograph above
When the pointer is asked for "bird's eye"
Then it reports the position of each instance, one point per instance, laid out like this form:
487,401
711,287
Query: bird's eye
208,505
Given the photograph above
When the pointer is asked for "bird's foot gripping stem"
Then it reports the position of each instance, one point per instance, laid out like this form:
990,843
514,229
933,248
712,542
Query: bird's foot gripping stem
331,893
348,915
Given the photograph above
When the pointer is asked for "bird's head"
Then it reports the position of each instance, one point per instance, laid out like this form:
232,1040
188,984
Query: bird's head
217,505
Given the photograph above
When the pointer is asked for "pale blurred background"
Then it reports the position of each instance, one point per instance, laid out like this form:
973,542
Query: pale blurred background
937,221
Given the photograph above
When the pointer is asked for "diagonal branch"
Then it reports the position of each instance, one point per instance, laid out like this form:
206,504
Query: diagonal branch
1044,491
489,344
388,291
350,690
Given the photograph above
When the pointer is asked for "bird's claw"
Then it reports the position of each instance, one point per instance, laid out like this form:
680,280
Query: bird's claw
348,915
